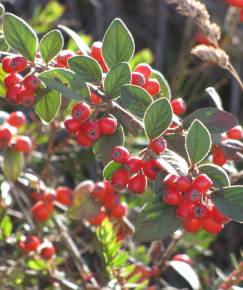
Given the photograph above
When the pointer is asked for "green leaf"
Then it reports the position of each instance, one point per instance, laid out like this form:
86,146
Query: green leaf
158,118
103,147
2,86
87,68
216,121
198,142
37,265
13,163
135,99
143,56
116,77
216,173
156,221
176,143
165,91
229,200
51,44
118,44
20,36
3,44
110,168
48,104
5,227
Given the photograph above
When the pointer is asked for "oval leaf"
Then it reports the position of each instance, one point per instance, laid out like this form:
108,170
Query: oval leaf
51,44
118,44
198,142
142,56
216,173
20,36
110,168
116,77
3,44
158,118
165,91
13,163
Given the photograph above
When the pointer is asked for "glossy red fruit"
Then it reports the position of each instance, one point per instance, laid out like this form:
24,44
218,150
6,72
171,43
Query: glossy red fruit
98,219
91,130
152,86
12,94
82,140
218,216
16,119
64,195
31,243
120,178
182,258
23,144
31,83
103,65
72,125
137,183
172,196
133,164
99,191
63,57
120,154
236,3
210,226
110,200
202,183
26,98
94,99
137,79
144,69
200,211
119,211
170,180
193,196
218,157
192,225
81,111
107,125
158,145
235,133
183,183
96,51
48,252
14,64
11,80
178,106
184,210
151,168
5,137
41,211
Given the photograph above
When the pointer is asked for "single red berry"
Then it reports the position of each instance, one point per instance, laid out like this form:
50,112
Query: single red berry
107,125
48,252
158,145
104,67
200,211
96,51
152,86
81,111
133,164
11,80
193,196
26,98
182,258
16,119
172,196
210,226
137,183
49,196
82,140
94,99
184,211
12,94
98,219
64,195
218,157
178,106
63,57
170,180
119,211
235,133
192,225
31,243
31,83
218,216
151,168
5,137
41,211
110,200
202,183
91,130
23,144
14,64
99,190
72,125
120,154
120,178
137,79
236,3
144,69
183,183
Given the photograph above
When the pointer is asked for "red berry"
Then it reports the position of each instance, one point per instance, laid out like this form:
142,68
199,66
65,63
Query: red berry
31,243
91,130
107,125
96,51
158,145
241,15
182,258
170,180
63,57
151,168
120,178
103,66
183,183
184,211
144,69
31,83
133,164
172,196
16,119
99,191
210,226
218,157
41,211
14,64
236,3
119,211
72,125
37,195
120,154
137,79
178,106
12,79
235,133
82,140
193,196
218,216
152,86
64,195
5,137
137,183
49,196
200,211
110,199
81,111
48,252
26,98
13,93
192,225
23,144
98,219
94,99
202,183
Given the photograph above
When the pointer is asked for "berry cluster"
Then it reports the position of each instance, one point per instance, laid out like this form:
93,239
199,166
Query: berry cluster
104,194
44,206
8,133
33,244
194,207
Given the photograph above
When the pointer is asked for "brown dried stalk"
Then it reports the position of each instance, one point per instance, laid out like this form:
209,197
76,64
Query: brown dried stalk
233,279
